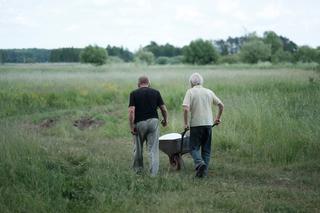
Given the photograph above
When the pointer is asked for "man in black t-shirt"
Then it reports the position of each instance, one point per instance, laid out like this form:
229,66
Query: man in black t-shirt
144,123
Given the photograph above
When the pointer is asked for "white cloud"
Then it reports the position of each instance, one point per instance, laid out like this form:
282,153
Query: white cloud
47,23
270,11
227,6
72,28
101,2
275,10
187,14
242,16
2,3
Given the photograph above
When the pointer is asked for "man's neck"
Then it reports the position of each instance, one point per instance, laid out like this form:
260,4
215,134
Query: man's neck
143,85
198,85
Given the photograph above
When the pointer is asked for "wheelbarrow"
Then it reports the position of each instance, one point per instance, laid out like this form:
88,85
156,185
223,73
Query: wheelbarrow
175,145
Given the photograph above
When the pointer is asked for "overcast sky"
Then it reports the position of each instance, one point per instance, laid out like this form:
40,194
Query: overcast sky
134,23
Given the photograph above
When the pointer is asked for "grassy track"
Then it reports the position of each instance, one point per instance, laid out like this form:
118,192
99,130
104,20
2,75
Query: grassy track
265,154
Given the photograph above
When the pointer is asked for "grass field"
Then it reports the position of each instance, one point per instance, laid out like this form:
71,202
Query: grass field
65,144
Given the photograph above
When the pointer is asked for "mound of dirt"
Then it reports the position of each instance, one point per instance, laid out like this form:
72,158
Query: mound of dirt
87,122
47,123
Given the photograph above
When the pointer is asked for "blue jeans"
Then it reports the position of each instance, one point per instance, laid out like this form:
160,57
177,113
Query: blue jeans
200,137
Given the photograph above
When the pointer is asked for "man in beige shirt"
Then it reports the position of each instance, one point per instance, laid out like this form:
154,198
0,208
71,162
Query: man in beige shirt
198,102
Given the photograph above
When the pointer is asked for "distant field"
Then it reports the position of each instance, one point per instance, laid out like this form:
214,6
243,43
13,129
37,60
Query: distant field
65,145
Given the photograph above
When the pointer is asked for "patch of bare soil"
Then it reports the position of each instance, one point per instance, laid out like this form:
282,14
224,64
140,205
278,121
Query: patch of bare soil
282,182
47,123
87,122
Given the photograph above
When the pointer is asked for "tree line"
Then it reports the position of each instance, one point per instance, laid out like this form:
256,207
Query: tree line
250,48
31,55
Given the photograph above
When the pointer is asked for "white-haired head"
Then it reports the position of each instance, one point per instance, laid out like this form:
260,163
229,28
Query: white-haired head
195,79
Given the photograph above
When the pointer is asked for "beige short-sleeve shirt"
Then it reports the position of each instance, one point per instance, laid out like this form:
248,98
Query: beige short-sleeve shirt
199,100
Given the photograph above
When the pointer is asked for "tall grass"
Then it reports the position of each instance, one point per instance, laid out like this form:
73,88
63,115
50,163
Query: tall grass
270,115
271,120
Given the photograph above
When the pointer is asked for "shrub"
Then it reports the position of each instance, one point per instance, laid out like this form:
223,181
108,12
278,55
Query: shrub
281,56
162,60
254,51
307,54
200,52
229,59
143,56
94,55
176,59
115,60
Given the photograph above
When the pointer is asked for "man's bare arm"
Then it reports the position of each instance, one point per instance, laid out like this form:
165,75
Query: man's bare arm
131,119
164,113
218,116
186,117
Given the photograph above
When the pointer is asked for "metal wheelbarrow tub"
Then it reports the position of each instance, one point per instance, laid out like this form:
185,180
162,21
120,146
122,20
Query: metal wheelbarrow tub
175,145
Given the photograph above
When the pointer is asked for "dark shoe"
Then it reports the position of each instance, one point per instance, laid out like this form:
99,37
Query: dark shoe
200,171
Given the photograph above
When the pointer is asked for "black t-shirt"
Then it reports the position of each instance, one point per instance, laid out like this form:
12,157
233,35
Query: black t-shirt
146,101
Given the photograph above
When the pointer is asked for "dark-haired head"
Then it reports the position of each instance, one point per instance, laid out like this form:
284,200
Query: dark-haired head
143,81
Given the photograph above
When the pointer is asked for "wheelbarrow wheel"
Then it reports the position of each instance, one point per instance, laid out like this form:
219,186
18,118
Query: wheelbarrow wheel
176,162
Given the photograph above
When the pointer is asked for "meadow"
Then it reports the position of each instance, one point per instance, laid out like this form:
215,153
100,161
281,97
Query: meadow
65,144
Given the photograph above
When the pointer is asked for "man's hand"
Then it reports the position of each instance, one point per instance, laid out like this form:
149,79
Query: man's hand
186,127
133,131
217,121
164,123
164,113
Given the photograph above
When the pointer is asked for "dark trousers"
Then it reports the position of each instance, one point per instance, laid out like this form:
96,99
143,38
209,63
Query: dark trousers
200,144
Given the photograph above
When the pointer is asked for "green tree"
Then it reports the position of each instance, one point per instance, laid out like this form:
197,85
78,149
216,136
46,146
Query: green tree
94,55
282,56
232,45
162,60
222,46
120,52
200,52
176,59
271,38
3,56
318,56
229,59
306,54
255,50
166,50
143,56
29,55
65,55
288,45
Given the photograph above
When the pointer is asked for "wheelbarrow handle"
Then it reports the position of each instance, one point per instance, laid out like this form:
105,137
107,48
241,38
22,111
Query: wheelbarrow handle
187,129
215,124
184,132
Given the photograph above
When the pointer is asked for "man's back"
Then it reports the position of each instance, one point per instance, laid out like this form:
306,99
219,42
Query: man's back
146,101
200,100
